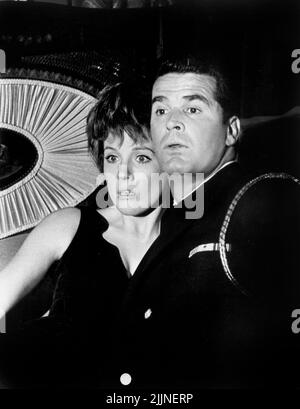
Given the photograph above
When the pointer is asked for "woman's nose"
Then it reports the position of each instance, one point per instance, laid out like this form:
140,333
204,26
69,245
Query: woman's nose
175,121
124,171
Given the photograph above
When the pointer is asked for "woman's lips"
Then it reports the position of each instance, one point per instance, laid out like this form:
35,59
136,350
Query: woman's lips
126,194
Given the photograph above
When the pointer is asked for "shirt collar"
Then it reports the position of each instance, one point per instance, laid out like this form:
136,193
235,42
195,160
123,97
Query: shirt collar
175,203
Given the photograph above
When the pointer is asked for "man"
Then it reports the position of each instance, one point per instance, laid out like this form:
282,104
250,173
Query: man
195,314
192,131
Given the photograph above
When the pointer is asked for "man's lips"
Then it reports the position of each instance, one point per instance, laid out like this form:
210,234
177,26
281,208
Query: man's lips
174,145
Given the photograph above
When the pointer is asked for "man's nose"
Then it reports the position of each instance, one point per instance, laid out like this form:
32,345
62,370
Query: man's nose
124,171
175,121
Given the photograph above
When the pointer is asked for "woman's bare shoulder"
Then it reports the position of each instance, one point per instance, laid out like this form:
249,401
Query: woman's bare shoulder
58,229
62,219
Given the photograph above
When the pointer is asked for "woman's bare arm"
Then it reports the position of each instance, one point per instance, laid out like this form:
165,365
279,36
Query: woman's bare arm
44,245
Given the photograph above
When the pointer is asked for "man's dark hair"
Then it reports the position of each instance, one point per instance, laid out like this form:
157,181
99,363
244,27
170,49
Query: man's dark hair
120,108
225,90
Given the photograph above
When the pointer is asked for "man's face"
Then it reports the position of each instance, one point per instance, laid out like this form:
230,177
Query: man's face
187,123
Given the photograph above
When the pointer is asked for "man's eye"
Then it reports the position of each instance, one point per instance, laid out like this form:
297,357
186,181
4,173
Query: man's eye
160,111
111,158
193,110
143,159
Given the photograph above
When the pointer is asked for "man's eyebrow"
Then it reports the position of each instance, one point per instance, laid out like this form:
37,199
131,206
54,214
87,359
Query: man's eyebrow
192,97
200,97
158,98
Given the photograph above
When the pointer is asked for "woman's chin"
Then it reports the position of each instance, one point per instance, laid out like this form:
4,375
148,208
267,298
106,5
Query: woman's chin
130,210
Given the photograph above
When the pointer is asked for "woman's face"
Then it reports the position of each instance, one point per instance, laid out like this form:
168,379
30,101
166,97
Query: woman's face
132,174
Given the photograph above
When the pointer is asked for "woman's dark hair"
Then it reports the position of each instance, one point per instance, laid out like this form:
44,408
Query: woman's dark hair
120,108
225,93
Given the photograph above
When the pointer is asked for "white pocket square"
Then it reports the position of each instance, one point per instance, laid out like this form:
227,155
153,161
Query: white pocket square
208,247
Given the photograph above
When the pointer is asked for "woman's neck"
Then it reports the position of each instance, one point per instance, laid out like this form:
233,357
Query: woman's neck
144,226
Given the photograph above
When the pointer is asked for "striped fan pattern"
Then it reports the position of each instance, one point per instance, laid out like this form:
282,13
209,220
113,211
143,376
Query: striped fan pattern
53,117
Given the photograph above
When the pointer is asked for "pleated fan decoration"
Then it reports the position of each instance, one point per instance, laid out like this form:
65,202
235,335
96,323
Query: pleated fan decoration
44,160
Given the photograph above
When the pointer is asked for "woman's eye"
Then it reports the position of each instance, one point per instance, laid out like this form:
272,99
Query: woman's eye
111,158
193,110
143,159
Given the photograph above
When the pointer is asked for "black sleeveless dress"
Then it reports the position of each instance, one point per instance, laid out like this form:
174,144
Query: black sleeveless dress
72,346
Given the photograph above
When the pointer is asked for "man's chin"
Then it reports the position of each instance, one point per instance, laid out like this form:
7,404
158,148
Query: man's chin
176,166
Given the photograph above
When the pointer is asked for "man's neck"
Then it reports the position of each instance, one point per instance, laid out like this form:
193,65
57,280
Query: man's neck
189,184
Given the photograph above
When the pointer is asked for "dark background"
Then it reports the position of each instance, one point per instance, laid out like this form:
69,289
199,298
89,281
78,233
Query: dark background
255,39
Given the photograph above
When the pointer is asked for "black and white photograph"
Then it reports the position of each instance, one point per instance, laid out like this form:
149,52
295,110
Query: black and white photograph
150,197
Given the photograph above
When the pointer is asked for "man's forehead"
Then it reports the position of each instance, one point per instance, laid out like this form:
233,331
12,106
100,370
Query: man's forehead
185,83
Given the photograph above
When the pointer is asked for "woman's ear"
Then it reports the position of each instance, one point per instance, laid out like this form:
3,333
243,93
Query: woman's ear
233,131
100,180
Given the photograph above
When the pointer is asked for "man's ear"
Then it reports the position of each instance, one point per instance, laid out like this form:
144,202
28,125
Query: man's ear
100,179
233,131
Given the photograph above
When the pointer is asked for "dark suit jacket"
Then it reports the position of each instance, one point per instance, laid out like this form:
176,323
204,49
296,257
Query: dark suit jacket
184,322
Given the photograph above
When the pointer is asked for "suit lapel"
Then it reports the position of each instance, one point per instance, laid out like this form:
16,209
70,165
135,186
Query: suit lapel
172,227
174,222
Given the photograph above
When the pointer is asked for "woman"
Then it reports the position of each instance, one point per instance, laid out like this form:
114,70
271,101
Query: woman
99,250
